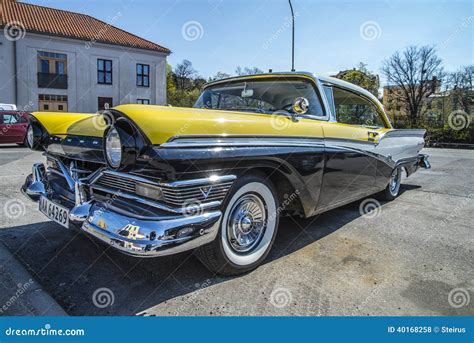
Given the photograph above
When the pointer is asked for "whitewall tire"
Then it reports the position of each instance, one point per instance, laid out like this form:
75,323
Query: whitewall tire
247,230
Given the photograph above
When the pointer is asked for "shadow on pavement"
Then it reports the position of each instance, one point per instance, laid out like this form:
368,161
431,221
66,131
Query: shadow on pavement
72,266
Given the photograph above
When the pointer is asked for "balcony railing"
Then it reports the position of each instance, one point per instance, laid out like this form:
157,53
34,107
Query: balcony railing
47,80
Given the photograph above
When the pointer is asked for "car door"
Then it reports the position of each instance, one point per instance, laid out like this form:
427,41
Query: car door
3,131
14,128
350,141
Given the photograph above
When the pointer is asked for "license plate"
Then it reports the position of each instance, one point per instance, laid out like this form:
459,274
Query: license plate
55,212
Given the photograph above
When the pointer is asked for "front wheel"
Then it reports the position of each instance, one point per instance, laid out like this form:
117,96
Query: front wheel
247,230
393,187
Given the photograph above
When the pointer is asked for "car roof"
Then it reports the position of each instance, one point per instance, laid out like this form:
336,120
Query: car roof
21,113
314,77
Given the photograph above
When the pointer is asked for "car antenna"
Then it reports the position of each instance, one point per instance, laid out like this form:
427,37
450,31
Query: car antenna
292,37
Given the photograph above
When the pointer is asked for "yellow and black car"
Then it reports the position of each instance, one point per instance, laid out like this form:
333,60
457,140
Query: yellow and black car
156,180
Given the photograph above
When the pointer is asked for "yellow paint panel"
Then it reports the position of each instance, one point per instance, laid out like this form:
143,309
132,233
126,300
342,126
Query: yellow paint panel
347,131
160,123
57,123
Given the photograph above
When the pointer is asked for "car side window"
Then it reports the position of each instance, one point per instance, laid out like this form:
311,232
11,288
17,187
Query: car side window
10,119
355,110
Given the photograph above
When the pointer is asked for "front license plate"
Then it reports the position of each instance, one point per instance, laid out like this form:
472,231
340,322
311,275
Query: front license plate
55,212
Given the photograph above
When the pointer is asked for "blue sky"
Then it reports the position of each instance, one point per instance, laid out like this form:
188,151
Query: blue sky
331,35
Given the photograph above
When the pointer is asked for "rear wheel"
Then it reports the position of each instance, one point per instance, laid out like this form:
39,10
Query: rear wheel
248,228
393,188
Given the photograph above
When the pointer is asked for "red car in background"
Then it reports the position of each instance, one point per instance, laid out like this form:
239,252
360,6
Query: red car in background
13,127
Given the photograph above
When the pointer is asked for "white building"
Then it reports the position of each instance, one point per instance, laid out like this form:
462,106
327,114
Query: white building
55,60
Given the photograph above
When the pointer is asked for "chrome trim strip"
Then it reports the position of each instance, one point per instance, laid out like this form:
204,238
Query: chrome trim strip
124,175
197,182
251,141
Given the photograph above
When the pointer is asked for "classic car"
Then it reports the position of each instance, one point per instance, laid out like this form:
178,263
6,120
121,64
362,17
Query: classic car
13,126
158,180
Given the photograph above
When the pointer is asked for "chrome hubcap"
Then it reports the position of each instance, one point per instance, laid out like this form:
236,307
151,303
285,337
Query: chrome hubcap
395,181
246,223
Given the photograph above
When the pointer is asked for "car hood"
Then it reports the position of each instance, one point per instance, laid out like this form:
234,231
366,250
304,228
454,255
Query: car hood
160,123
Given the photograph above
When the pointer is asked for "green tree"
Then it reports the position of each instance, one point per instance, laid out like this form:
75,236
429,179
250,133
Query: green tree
362,77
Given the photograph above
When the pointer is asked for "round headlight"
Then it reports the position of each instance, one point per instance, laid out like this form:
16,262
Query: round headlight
30,137
113,148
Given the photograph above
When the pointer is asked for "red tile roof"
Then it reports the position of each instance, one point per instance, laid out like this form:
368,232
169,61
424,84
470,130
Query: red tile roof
51,21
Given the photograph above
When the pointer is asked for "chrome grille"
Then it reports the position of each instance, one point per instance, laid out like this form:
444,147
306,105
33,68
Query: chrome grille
116,183
186,195
175,194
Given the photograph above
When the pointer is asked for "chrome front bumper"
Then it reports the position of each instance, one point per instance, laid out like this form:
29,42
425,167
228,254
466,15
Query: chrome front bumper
133,235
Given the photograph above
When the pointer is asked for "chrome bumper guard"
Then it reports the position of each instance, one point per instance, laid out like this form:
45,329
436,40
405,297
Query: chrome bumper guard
133,235
423,161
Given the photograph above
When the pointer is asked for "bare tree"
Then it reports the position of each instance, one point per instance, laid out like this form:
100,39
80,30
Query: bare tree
247,71
219,76
461,84
184,72
414,74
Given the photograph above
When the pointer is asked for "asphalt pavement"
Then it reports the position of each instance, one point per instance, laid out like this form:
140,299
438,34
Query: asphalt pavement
411,256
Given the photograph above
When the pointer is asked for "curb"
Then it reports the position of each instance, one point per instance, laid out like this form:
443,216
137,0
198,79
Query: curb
20,293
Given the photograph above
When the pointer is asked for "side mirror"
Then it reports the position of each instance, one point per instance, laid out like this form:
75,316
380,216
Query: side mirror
300,105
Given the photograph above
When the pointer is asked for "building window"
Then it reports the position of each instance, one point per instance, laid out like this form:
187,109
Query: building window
104,71
52,70
51,102
143,75
104,103
143,101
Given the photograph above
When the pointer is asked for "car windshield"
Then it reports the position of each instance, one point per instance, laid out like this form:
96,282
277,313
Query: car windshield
260,96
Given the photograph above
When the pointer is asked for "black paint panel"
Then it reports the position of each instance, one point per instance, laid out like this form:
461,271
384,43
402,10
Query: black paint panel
347,174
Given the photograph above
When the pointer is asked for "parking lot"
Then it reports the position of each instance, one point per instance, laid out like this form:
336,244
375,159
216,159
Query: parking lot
412,256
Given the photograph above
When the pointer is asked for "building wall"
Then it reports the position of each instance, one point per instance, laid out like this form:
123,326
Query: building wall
83,89
7,74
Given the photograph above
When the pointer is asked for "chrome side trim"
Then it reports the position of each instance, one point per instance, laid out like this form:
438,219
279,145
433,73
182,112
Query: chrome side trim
124,175
197,182
251,141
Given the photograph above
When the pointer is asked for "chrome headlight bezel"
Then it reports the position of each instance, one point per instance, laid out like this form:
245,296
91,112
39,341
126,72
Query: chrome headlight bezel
124,135
113,148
